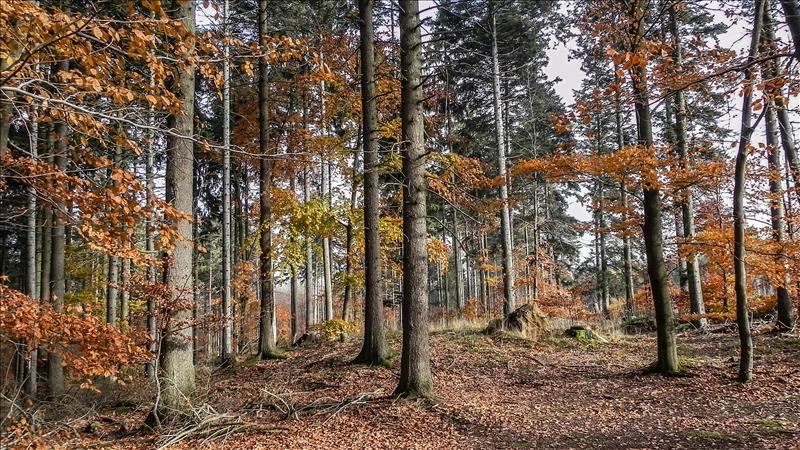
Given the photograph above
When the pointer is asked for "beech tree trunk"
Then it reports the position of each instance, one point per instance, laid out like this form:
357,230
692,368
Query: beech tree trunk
509,304
112,293
653,240
415,366
266,335
740,282
176,362
30,266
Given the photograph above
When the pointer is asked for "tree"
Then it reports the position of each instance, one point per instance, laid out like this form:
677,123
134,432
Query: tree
176,361
783,128
686,201
55,369
227,327
266,333
742,313
415,366
373,350
653,240
505,214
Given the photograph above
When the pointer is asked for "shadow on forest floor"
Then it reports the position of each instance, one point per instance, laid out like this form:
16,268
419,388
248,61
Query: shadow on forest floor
494,392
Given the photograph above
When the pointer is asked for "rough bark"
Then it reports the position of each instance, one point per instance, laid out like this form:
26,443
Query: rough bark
415,366
373,350
740,280
266,335
509,304
653,240
176,365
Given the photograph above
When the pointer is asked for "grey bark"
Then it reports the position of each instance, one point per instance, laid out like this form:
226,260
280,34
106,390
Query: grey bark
696,303
509,303
415,365
227,326
266,335
627,258
112,281
653,239
785,307
309,268
740,274
176,365
31,272
150,248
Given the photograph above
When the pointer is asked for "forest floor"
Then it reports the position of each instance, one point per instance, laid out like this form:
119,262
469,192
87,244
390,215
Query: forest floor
491,392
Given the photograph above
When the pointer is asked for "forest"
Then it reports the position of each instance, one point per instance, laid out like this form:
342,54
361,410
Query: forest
399,224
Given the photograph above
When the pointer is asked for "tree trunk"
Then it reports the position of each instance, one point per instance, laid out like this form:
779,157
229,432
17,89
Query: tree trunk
309,269
47,235
770,71
294,280
227,326
266,335
150,248
627,258
792,13
30,266
124,298
458,265
177,368
112,281
373,350
415,366
740,282
696,303
653,241
509,304
326,196
58,286
347,302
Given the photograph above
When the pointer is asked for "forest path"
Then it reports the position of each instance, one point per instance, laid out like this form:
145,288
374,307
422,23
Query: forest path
504,392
